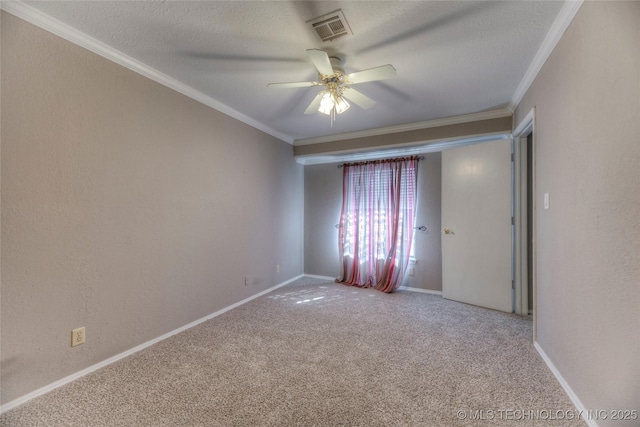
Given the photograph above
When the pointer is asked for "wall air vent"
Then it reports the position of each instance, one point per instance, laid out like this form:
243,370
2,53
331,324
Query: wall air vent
330,26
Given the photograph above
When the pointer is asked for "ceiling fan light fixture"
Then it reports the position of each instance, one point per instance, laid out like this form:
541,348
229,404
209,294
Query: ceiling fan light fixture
326,104
332,103
341,105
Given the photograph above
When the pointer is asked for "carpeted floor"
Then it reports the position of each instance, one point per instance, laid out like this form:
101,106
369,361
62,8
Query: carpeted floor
314,353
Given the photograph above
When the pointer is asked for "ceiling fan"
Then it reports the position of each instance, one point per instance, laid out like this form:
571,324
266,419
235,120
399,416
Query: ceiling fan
337,89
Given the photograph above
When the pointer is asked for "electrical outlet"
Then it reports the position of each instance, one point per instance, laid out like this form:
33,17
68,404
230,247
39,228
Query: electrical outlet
246,280
277,268
77,337
412,271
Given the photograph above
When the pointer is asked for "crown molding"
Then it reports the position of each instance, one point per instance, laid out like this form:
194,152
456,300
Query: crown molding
559,26
28,13
454,120
54,26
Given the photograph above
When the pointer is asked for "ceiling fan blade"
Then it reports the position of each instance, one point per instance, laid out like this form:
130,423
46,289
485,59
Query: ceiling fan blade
358,98
313,107
295,84
372,74
321,60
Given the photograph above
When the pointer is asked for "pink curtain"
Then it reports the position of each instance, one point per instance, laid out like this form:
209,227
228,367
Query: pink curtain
376,224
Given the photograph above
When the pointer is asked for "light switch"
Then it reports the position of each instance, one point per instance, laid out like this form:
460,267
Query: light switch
546,200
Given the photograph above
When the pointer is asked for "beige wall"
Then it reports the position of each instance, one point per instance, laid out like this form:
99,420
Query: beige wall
322,205
428,245
127,208
587,100
323,201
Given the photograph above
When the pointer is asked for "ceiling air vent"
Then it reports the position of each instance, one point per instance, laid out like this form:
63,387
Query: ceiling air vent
330,26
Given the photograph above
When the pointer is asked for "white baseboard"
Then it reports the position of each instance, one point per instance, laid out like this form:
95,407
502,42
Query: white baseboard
567,388
424,291
43,390
313,276
403,288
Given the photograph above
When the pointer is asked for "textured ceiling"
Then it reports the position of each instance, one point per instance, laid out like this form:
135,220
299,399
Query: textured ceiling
452,58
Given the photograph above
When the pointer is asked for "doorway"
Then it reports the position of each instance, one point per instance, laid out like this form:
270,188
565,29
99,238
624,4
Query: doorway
524,218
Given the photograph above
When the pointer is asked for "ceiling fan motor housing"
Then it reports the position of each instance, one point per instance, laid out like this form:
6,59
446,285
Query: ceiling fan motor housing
338,77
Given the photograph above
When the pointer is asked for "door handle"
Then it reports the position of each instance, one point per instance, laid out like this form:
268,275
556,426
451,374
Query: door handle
448,231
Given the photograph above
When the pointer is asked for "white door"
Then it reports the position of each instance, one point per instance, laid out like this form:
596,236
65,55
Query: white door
476,224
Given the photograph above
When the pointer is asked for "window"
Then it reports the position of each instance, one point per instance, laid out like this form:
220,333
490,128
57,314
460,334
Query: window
377,220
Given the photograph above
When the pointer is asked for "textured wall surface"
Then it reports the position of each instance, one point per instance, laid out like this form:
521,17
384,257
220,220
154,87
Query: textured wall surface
428,245
126,208
587,101
323,201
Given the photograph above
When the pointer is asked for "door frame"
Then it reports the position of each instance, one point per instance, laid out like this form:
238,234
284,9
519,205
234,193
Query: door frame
525,128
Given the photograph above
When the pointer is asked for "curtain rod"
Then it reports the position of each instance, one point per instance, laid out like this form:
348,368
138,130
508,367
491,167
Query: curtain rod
380,161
